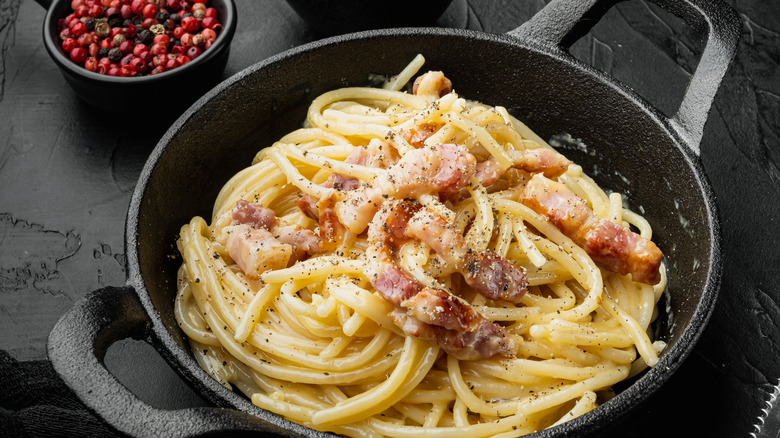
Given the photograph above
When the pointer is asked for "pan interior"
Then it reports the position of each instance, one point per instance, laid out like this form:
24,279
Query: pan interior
617,140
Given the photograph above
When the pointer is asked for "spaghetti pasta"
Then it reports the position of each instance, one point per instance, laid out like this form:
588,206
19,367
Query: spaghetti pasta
389,270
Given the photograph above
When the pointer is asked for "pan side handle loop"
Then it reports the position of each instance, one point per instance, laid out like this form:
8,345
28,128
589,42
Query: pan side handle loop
77,346
559,24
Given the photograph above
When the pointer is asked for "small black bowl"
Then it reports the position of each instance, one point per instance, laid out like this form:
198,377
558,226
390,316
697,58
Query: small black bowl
335,17
172,90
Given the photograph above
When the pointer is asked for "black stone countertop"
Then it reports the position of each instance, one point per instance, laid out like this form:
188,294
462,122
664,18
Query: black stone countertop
67,172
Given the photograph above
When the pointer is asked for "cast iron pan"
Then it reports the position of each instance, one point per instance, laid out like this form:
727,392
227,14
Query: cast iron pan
639,151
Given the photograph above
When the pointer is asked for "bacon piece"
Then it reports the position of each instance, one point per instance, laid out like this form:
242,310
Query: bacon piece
431,313
485,340
302,239
382,154
489,274
308,204
255,250
432,84
331,230
439,307
256,242
417,135
384,234
540,160
252,214
488,172
441,168
260,217
609,244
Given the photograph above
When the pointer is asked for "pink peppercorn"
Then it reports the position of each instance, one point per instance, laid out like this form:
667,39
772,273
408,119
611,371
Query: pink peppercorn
149,11
69,44
78,28
209,34
173,5
193,52
91,63
159,49
126,46
84,40
127,71
137,6
151,36
79,55
159,60
95,11
190,24
126,11
186,40
209,22
148,22
172,63
139,65
162,39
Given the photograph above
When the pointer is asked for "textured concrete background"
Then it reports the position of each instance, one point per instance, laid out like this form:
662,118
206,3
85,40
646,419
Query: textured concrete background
67,173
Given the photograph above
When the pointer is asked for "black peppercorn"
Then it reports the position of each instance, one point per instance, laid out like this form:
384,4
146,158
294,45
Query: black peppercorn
115,20
90,23
127,22
176,18
103,52
145,37
187,14
115,55
161,16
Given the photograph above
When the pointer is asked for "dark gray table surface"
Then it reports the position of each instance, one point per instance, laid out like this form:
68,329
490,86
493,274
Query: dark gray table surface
67,172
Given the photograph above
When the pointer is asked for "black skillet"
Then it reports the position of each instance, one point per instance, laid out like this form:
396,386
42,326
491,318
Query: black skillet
639,151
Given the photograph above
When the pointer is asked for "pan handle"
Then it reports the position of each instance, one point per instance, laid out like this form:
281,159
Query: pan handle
562,22
77,346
